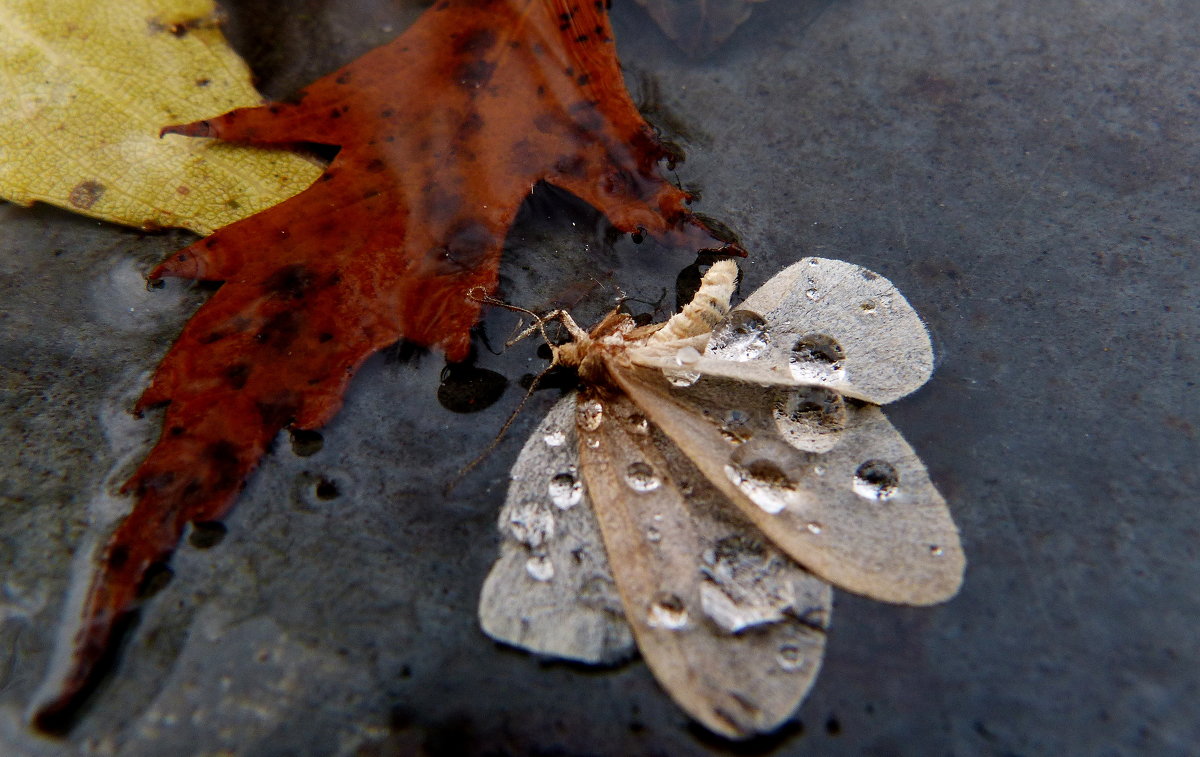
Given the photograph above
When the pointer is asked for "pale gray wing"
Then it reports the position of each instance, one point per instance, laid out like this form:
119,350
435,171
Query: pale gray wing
732,628
862,514
551,591
818,322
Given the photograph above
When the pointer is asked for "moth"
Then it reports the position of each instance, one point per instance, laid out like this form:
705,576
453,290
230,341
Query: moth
711,478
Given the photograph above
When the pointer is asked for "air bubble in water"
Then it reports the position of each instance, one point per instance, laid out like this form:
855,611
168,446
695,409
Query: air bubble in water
641,478
565,490
876,479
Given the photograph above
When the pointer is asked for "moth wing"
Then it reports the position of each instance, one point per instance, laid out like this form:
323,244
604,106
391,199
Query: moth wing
818,322
550,591
862,514
732,628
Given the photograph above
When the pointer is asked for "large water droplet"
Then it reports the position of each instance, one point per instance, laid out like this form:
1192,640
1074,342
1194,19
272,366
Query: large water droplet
641,477
667,611
817,357
540,568
740,337
590,415
877,479
565,490
555,439
761,469
809,417
530,523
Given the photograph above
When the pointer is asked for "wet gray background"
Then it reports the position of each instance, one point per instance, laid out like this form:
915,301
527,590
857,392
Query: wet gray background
1021,169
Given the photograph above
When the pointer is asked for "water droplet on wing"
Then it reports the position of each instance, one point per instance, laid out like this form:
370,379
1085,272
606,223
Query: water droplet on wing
876,479
565,490
530,524
740,337
817,357
590,415
641,477
540,568
667,611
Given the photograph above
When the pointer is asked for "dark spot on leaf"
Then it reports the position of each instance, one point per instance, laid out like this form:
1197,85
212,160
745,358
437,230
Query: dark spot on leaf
226,466
280,330
475,74
118,557
278,411
237,375
85,194
290,281
476,42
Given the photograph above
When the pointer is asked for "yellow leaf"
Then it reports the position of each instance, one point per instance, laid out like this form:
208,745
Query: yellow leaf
85,88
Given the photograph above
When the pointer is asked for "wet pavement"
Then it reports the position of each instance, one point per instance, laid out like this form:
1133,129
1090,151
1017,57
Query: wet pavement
1023,171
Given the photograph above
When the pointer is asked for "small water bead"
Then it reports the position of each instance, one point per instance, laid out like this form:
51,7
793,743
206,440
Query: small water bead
811,294
530,524
813,527
590,415
539,568
868,308
638,424
742,336
876,479
653,535
592,442
555,439
735,426
791,658
566,490
667,611
936,551
641,477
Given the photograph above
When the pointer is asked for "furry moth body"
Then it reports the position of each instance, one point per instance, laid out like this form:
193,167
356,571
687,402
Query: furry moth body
710,479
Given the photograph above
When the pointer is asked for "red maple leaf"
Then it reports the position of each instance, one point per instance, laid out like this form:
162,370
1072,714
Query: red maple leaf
443,134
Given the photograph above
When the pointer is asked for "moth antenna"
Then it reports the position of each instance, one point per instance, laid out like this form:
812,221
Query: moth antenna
710,305
462,473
